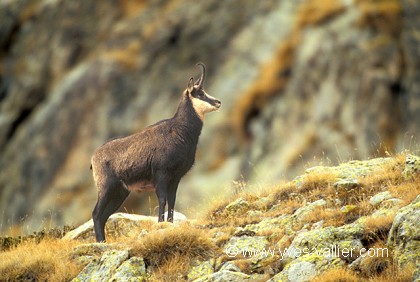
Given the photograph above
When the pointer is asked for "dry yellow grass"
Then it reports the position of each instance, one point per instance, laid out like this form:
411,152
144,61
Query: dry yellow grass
47,261
281,192
377,227
378,267
319,181
171,270
377,262
406,191
286,198
279,199
161,247
380,180
169,250
393,273
337,275
330,216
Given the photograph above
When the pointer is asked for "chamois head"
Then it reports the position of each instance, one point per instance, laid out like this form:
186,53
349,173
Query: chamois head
202,102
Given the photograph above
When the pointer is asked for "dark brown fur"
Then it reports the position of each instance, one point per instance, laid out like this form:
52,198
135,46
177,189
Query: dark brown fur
153,159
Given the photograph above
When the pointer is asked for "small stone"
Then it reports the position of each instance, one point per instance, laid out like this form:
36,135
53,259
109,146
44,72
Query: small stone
238,205
225,275
348,208
346,184
117,224
231,266
412,166
302,271
392,203
303,211
245,246
253,213
317,225
379,198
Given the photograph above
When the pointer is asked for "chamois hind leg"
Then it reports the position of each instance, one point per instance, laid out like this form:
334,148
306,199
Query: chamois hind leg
110,198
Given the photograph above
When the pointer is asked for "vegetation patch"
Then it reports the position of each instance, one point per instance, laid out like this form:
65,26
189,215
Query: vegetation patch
173,250
9,242
48,260
352,205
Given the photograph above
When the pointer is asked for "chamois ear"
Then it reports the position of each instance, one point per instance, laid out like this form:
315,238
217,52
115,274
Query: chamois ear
190,86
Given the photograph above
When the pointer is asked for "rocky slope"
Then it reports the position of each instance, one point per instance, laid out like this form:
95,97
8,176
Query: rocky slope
359,221
297,80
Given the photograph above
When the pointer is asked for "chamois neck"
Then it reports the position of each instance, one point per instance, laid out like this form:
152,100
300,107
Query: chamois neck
187,116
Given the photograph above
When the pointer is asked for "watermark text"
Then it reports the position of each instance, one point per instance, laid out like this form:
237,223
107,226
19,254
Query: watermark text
332,251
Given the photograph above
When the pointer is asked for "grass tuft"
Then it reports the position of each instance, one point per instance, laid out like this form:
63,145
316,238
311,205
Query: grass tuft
337,275
48,260
377,227
186,243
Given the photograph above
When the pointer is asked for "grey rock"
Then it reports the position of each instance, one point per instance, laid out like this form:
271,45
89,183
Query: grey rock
346,184
201,269
133,269
104,268
412,166
301,272
245,246
118,223
379,198
230,266
405,233
224,275
238,205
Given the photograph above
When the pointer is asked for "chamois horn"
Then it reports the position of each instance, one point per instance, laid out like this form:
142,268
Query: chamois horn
200,81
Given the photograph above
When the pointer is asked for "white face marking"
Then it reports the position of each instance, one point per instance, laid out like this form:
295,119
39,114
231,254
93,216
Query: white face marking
203,107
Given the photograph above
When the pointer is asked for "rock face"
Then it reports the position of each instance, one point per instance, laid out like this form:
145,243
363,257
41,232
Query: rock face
296,81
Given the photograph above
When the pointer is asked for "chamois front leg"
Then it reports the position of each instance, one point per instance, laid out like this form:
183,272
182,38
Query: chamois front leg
171,200
161,192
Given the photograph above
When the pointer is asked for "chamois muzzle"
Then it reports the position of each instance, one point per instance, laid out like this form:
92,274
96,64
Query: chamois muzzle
216,104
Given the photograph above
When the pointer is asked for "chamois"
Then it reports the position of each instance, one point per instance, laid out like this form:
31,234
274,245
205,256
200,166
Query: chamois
155,158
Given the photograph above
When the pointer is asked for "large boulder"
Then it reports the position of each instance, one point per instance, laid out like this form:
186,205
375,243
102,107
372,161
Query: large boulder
405,233
118,224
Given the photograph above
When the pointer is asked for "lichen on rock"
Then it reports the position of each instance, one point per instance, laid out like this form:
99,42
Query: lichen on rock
405,233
